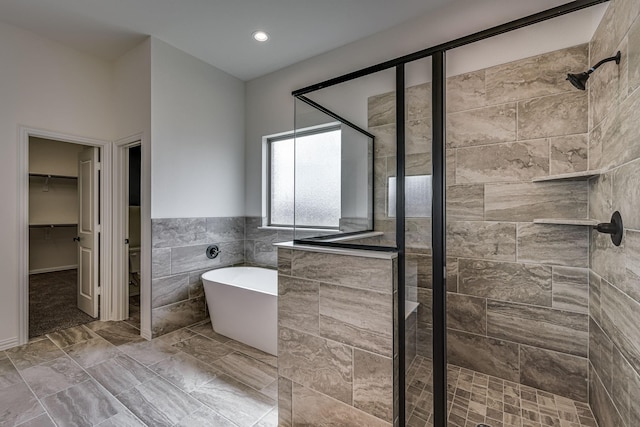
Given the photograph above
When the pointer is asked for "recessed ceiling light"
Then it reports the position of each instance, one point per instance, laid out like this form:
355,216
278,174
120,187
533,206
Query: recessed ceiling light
261,36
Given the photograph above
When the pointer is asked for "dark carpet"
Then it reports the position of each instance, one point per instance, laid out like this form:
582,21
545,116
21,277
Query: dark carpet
53,303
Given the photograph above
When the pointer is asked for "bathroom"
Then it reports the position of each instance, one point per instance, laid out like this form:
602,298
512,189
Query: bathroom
540,307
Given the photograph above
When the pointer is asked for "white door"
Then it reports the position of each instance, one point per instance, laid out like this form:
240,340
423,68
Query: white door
88,231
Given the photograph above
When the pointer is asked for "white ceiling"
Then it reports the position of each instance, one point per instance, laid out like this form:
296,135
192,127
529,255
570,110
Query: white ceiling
216,31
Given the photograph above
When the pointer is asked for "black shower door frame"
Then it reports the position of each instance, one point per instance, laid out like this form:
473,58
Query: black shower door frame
438,63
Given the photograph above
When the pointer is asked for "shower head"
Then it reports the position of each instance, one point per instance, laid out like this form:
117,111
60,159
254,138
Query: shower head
580,80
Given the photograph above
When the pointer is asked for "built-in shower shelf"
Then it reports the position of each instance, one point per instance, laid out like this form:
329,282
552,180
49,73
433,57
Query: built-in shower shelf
562,221
575,176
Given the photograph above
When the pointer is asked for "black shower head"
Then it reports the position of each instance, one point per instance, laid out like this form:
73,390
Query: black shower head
580,80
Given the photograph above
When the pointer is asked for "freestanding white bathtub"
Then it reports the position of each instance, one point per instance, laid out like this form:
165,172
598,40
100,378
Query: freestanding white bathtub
243,305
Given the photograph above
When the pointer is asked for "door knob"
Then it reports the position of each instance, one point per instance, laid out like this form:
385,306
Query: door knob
76,239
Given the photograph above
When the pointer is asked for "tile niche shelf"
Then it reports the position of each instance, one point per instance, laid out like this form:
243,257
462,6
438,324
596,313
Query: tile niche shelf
574,176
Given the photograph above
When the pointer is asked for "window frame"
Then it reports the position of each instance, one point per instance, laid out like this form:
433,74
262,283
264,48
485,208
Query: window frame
293,135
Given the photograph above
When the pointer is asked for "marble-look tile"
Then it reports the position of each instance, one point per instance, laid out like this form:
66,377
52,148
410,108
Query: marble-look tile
622,373
234,400
271,390
71,336
418,99
269,420
600,402
634,404
225,229
34,353
595,147
206,329
600,197
122,419
600,352
284,261
312,408
247,370
206,417
564,245
373,384
169,290
634,56
357,272
631,286
626,194
170,232
508,162
41,421
196,287
594,296
149,352
84,404
487,355
381,109
524,201
18,404
557,373
487,125
285,416
606,87
619,322
417,232
568,154
453,270
450,166
252,230
8,374
607,260
185,371
175,316
535,76
325,366
120,374
465,202
553,115
53,376
93,351
619,133
425,309
385,142
156,402
424,340
252,352
571,289
357,317
160,262
203,348
264,253
190,258
117,333
562,331
525,283
418,135
298,304
467,313
488,240
466,91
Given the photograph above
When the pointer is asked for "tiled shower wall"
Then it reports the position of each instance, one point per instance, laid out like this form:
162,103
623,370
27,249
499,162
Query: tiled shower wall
518,291
178,260
614,335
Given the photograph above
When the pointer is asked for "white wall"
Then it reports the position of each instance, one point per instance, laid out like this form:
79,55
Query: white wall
269,104
48,86
198,131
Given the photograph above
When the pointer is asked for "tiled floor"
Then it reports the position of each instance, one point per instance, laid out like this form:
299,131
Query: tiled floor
476,398
104,374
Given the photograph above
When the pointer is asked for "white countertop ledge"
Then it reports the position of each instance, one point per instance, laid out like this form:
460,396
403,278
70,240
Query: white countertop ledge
337,251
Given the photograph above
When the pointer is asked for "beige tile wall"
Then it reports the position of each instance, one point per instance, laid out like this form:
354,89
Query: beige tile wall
335,339
518,291
614,293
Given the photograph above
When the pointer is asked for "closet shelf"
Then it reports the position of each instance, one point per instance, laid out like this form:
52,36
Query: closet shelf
563,221
51,176
575,176
51,225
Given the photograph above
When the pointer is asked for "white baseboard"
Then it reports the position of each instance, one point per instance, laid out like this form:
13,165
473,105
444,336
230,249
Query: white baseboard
8,343
53,269
146,334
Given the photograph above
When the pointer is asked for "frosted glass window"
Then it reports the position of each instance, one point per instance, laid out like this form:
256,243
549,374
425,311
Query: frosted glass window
417,196
317,194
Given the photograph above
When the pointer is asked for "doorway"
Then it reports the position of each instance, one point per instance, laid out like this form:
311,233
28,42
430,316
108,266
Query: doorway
64,234
133,160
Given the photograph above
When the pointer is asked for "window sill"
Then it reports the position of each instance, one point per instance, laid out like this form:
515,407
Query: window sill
322,230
